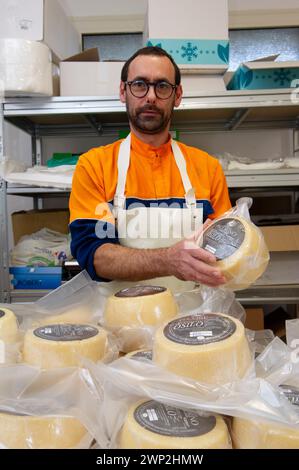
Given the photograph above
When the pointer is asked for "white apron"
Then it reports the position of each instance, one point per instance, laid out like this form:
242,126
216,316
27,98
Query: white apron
154,227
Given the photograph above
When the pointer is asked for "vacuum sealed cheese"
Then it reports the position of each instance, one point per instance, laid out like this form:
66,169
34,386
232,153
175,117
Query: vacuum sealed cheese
19,431
62,345
238,245
209,347
257,434
153,425
8,326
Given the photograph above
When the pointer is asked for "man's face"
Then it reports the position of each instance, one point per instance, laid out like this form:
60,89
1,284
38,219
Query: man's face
150,114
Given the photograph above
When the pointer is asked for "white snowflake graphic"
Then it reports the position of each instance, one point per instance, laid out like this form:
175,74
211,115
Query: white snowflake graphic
189,51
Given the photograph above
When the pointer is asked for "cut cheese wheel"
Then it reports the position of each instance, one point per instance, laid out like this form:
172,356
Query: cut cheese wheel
39,432
240,250
138,306
153,425
208,347
62,345
8,326
248,434
141,354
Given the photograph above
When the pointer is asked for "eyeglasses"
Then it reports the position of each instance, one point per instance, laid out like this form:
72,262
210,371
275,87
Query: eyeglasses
140,88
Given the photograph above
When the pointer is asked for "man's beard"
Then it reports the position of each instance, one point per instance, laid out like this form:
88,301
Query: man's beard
149,124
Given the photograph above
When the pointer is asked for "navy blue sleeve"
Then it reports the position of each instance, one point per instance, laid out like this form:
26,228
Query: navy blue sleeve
88,235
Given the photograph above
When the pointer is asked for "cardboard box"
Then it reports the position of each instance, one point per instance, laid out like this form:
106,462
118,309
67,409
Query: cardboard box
194,33
264,73
84,75
254,318
40,20
198,83
26,223
282,237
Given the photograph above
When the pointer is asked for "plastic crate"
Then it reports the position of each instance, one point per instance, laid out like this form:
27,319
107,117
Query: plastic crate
31,277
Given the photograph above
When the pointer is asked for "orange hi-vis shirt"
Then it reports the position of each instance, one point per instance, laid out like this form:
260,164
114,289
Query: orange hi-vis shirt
153,178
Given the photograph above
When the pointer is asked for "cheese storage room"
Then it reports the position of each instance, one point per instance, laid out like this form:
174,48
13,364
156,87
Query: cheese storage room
149,228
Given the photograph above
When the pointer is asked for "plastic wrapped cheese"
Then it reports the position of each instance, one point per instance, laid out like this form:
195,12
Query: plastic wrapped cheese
40,432
208,347
153,425
240,250
8,326
62,345
140,305
141,354
248,434
132,313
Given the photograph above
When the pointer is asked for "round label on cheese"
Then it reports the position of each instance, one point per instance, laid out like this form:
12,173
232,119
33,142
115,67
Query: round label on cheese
143,354
199,329
291,393
224,237
66,332
140,291
2,314
171,421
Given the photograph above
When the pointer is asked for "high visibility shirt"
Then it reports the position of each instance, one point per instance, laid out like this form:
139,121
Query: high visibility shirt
153,178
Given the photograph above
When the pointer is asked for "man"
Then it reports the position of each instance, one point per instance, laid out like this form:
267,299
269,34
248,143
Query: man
146,169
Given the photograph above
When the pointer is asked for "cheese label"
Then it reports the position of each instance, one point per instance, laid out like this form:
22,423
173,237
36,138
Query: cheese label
291,393
2,313
171,421
200,329
224,237
140,291
66,332
143,354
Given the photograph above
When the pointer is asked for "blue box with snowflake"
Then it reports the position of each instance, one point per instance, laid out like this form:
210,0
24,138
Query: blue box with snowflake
265,74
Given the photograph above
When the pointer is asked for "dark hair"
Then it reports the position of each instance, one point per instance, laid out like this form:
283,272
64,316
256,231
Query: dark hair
151,50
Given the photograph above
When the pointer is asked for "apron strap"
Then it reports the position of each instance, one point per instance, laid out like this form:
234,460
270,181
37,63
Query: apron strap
123,165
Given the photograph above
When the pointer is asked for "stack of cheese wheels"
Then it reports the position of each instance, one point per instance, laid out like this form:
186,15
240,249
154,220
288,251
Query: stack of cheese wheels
8,326
248,434
40,432
153,425
208,347
63,345
141,354
135,307
240,250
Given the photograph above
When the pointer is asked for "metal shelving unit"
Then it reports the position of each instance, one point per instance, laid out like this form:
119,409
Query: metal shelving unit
94,116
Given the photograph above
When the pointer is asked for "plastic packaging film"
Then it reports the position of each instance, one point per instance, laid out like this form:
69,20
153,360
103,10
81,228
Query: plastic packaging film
238,245
25,67
10,336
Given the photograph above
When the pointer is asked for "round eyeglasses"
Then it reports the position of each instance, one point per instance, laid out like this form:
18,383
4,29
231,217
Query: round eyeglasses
140,88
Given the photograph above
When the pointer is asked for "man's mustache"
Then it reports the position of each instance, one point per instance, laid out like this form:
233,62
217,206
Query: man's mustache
144,109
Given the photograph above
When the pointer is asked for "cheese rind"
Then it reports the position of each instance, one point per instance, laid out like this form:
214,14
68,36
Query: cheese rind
240,250
39,432
9,330
153,425
62,345
211,348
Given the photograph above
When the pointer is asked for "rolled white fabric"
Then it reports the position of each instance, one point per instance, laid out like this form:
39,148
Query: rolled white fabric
25,68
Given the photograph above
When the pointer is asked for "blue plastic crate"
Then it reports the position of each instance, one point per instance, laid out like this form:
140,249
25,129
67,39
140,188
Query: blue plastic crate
34,277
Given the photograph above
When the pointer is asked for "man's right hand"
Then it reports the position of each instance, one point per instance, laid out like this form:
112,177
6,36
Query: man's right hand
188,262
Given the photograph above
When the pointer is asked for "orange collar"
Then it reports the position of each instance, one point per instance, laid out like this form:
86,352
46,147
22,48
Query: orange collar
146,150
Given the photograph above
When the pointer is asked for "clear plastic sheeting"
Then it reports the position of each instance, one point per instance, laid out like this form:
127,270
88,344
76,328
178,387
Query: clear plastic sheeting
47,410
124,382
238,246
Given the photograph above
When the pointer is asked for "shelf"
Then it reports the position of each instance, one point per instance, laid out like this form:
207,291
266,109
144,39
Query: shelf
24,295
262,178
227,110
37,191
261,295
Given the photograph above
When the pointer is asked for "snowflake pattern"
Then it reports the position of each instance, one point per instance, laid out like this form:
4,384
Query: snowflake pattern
189,51
282,76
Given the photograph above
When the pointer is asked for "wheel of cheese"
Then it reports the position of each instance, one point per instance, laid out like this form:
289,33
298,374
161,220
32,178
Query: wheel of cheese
249,434
80,314
240,250
138,306
153,425
141,354
62,345
40,432
208,347
8,326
